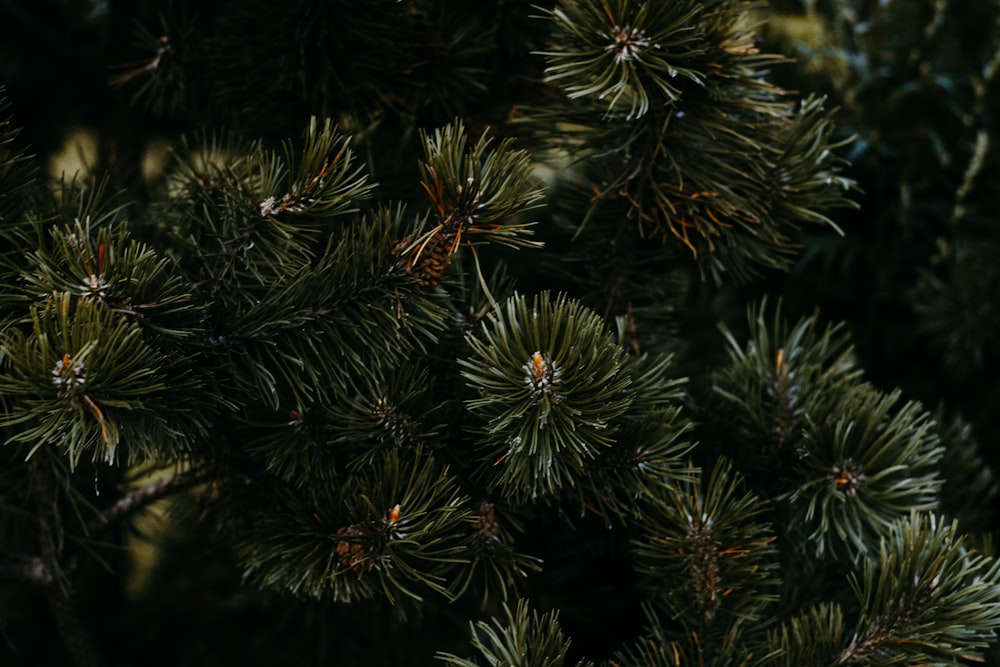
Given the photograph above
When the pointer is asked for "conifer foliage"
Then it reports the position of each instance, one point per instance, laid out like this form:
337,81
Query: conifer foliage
407,353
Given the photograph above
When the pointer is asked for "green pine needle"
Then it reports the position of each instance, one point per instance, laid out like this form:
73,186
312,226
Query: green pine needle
396,529
782,376
869,466
633,54
519,640
548,401
84,380
707,556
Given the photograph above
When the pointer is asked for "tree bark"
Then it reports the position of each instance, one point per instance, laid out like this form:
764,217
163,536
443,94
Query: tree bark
79,642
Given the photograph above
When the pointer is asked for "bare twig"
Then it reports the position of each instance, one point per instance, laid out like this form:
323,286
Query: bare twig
147,495
75,634
29,569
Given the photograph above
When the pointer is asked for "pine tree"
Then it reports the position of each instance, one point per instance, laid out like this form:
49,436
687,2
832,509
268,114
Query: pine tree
436,332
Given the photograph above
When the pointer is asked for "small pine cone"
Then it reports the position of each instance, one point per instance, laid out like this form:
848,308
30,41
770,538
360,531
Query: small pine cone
486,523
399,426
431,261
352,553
401,245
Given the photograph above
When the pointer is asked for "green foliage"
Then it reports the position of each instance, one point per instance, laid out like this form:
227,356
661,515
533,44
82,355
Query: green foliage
355,292
656,649
919,89
392,530
298,321
522,641
102,264
474,187
321,183
845,459
84,380
398,411
548,403
647,454
707,155
813,637
476,195
875,463
708,560
781,378
496,566
955,304
623,51
278,263
929,599
251,215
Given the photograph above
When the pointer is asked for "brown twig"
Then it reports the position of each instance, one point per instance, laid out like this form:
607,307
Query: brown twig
61,596
29,569
146,495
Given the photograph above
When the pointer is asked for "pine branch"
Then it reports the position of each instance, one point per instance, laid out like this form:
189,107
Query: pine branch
780,377
549,404
74,633
859,474
356,293
145,496
28,569
519,640
708,155
61,596
86,380
395,531
929,598
708,558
